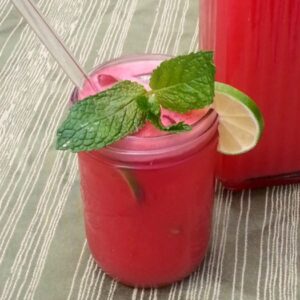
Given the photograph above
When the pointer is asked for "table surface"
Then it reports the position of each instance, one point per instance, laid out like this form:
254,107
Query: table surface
44,255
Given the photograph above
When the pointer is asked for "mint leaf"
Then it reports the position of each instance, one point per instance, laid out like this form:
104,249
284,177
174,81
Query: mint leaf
152,110
102,119
185,82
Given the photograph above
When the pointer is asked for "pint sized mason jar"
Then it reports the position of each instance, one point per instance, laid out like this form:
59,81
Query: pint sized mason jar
148,198
257,46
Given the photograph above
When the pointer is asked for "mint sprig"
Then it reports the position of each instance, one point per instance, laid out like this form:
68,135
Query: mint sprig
185,82
102,119
151,107
180,84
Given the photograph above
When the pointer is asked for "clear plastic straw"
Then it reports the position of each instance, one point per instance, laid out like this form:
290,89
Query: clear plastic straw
55,46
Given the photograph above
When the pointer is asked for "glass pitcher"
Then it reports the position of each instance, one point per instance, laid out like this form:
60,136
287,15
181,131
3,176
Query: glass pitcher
257,50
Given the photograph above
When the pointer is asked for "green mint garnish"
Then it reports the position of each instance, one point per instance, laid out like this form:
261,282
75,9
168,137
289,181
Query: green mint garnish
102,119
180,84
151,107
185,82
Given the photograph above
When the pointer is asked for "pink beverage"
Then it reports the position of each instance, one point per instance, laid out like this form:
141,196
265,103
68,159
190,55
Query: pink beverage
148,198
257,46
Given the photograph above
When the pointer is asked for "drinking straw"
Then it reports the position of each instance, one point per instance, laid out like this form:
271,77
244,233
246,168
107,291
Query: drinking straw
53,43
66,60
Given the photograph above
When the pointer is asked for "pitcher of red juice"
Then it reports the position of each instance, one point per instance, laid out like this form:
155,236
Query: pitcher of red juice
257,50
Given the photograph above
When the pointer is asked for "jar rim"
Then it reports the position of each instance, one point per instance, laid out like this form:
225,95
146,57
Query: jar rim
153,144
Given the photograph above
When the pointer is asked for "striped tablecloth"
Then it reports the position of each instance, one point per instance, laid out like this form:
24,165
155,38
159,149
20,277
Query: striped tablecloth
43,251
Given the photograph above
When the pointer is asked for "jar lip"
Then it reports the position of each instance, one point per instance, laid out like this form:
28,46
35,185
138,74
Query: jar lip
130,58
169,140
139,145
164,148
209,112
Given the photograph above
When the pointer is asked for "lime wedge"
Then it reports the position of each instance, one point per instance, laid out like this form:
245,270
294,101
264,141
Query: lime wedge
240,121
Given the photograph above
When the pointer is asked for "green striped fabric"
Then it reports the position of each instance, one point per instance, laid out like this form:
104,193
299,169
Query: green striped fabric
43,251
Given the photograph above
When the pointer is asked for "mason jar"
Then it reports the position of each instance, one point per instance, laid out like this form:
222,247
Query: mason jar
148,200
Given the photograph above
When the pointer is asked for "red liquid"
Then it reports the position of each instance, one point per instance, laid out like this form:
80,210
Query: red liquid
161,237
158,232
257,50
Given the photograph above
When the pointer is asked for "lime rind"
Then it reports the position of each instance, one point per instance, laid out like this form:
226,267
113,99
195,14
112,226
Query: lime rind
252,112
238,95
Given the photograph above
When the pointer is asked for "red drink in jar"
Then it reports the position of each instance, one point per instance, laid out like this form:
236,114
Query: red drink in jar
148,198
